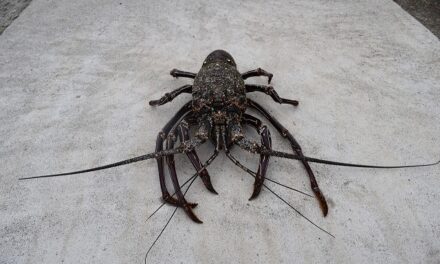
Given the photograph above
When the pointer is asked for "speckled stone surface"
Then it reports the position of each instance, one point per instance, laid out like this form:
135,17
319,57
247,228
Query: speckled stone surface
75,80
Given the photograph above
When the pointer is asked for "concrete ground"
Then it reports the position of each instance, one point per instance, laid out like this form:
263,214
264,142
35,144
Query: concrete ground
75,78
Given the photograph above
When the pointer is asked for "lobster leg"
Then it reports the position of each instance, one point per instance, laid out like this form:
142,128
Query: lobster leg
173,175
168,97
252,121
266,141
177,73
159,147
264,163
297,149
269,90
183,131
237,137
257,72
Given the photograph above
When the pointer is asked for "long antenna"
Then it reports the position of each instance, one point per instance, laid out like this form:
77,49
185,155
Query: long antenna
336,163
120,163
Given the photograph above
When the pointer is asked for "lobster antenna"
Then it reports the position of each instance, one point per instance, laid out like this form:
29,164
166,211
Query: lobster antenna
285,155
120,163
279,197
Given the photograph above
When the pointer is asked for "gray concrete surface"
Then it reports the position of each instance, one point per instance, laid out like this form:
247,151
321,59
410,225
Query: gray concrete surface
75,77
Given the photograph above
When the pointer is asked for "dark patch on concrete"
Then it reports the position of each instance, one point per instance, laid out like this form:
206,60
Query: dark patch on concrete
426,12
10,10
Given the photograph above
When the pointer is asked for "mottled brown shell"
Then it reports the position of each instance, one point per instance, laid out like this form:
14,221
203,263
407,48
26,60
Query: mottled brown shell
219,86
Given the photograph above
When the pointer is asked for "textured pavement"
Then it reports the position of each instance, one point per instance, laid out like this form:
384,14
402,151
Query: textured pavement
75,80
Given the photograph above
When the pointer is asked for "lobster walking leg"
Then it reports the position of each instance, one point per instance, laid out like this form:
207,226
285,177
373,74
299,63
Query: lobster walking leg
173,175
269,90
159,147
297,149
266,141
168,97
257,72
238,138
178,73
183,130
